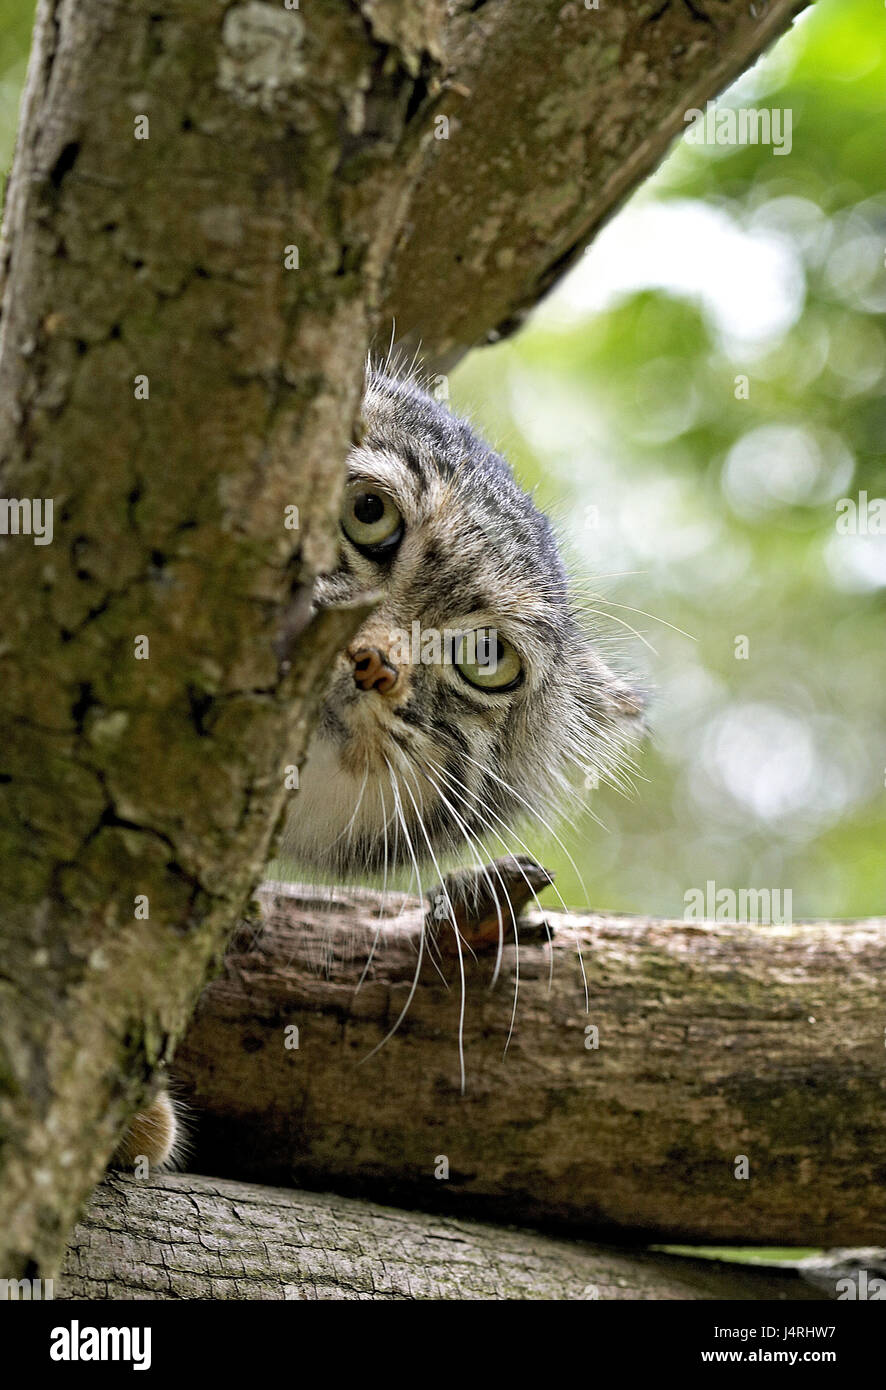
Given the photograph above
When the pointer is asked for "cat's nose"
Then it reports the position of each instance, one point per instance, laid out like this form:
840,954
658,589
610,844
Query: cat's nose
373,670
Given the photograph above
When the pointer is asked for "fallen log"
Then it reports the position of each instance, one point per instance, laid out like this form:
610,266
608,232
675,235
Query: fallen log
187,1237
727,1084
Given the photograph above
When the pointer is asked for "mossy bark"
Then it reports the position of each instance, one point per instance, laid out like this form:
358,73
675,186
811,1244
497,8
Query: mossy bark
199,234
174,384
727,1084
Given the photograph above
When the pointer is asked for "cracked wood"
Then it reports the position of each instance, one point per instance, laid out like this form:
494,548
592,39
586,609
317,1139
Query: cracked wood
713,1041
195,1237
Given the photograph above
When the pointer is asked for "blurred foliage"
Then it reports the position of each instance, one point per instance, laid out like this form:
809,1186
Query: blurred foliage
619,403
16,21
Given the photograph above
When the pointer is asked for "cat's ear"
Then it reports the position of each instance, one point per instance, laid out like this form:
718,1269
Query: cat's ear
628,700
614,696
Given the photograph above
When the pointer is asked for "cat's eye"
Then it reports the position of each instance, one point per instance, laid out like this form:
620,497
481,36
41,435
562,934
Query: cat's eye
370,520
486,660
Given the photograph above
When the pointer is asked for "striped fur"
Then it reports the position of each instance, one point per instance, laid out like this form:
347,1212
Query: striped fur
420,776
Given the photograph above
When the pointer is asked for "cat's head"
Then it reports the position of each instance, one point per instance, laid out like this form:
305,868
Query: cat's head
430,738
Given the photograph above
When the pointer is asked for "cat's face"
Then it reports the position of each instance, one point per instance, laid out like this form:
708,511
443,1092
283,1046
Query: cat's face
466,695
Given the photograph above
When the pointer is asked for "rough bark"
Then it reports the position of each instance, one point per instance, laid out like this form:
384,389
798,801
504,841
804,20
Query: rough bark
164,259
715,1041
193,1237
161,779
556,113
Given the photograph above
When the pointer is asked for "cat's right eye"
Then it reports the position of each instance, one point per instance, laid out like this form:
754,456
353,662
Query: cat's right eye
370,519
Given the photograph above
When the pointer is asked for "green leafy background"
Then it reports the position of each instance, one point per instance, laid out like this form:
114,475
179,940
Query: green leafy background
716,514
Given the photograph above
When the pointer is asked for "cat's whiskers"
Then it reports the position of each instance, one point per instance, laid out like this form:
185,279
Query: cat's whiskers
471,841
384,891
486,823
421,938
618,770
551,831
500,951
458,936
349,828
621,622
653,617
619,778
483,818
537,814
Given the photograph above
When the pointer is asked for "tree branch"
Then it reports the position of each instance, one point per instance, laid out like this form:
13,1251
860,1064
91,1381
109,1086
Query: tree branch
192,1237
714,1041
556,111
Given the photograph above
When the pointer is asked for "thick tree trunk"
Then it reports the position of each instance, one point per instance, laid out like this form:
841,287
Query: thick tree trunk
204,207
715,1042
193,1237
157,670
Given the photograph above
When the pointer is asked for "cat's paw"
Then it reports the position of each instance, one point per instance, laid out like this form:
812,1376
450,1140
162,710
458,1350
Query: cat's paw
485,902
155,1135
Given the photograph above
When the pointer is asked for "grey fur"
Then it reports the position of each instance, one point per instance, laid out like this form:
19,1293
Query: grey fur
475,552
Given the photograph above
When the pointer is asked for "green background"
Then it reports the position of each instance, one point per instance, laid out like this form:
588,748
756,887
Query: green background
717,514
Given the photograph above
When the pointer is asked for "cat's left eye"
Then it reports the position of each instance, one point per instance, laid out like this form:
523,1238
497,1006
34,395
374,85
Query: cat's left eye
370,519
489,662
